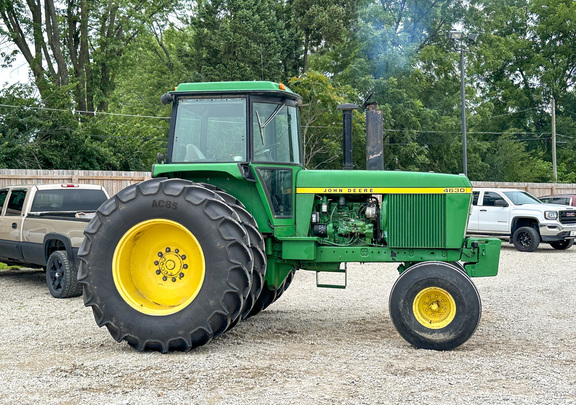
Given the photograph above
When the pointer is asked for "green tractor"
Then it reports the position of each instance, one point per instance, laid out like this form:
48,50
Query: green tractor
218,233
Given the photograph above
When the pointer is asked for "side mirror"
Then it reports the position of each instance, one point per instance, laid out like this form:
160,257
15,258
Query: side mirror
166,98
160,158
500,203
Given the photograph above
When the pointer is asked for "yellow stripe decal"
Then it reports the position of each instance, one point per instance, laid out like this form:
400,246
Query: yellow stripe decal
384,190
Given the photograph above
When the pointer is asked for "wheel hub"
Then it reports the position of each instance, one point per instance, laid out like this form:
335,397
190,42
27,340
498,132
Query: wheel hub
434,308
171,265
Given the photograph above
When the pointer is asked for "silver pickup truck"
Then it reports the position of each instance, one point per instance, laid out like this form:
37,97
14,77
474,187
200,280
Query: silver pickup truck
43,226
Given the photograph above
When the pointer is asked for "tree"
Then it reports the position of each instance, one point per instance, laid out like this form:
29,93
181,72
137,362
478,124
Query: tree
77,46
322,123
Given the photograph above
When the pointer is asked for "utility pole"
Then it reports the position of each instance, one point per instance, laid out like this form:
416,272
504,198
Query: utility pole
554,165
463,101
458,37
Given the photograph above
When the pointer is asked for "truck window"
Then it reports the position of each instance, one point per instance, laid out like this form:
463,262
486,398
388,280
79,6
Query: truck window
15,203
72,199
490,198
3,195
475,195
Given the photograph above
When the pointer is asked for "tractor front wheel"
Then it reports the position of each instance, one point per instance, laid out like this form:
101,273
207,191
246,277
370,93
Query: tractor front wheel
165,265
434,305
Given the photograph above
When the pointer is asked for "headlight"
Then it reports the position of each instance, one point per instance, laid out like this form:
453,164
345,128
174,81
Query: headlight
551,214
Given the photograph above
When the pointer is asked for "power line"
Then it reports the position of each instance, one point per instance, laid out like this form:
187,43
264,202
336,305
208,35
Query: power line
95,113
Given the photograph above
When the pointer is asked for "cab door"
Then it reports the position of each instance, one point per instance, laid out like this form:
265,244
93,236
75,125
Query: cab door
493,213
11,222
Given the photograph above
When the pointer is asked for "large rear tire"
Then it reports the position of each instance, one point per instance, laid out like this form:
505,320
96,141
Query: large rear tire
268,296
434,305
256,245
165,265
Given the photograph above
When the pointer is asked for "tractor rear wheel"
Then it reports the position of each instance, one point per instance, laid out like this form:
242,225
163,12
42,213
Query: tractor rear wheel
165,266
270,296
256,245
434,305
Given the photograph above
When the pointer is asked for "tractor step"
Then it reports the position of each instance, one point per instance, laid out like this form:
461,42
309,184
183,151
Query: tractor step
331,284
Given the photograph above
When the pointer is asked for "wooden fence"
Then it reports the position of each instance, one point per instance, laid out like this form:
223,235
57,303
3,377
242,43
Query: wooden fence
113,181
116,181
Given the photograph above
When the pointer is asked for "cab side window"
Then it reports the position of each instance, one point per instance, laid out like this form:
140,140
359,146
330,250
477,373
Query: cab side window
3,195
15,203
475,195
490,198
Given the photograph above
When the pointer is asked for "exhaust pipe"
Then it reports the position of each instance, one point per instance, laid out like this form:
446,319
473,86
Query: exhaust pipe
347,133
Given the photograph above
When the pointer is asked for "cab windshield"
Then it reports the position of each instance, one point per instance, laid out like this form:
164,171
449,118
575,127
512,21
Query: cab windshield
212,129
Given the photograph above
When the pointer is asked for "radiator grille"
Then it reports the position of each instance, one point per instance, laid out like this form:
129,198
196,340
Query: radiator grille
568,217
417,220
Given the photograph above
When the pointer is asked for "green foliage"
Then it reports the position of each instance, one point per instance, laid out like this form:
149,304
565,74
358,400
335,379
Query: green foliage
322,123
119,57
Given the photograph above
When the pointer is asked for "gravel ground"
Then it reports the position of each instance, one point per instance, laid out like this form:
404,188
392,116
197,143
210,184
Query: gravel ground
314,346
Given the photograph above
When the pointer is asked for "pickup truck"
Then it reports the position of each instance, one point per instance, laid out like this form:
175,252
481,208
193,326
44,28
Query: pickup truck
521,218
43,226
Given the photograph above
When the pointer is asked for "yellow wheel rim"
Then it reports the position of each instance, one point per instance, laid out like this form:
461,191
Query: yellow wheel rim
158,267
434,308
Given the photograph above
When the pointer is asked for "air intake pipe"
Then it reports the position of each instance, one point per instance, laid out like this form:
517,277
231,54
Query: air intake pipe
347,133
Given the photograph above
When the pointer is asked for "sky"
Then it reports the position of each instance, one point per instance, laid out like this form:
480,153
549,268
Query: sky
18,72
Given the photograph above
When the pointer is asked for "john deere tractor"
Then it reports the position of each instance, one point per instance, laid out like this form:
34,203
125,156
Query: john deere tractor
231,213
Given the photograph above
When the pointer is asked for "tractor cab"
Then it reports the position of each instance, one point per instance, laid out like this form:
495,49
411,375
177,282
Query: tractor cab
234,122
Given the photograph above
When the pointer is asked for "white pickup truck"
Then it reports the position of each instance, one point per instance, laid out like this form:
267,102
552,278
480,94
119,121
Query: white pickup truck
521,218
43,226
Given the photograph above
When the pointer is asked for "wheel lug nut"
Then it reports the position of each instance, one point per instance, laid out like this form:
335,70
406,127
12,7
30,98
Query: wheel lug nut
167,249
173,279
159,254
185,266
164,278
158,272
183,257
156,263
181,275
176,250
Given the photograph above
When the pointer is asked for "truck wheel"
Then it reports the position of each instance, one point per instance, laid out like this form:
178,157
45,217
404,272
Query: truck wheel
562,244
165,266
526,239
434,305
61,276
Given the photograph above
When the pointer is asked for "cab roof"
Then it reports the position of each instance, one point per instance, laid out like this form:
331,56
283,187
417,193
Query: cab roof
223,87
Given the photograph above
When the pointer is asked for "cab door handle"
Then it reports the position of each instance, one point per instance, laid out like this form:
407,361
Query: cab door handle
14,225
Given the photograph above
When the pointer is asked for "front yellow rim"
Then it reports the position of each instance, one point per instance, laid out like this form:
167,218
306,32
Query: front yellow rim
434,308
158,267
